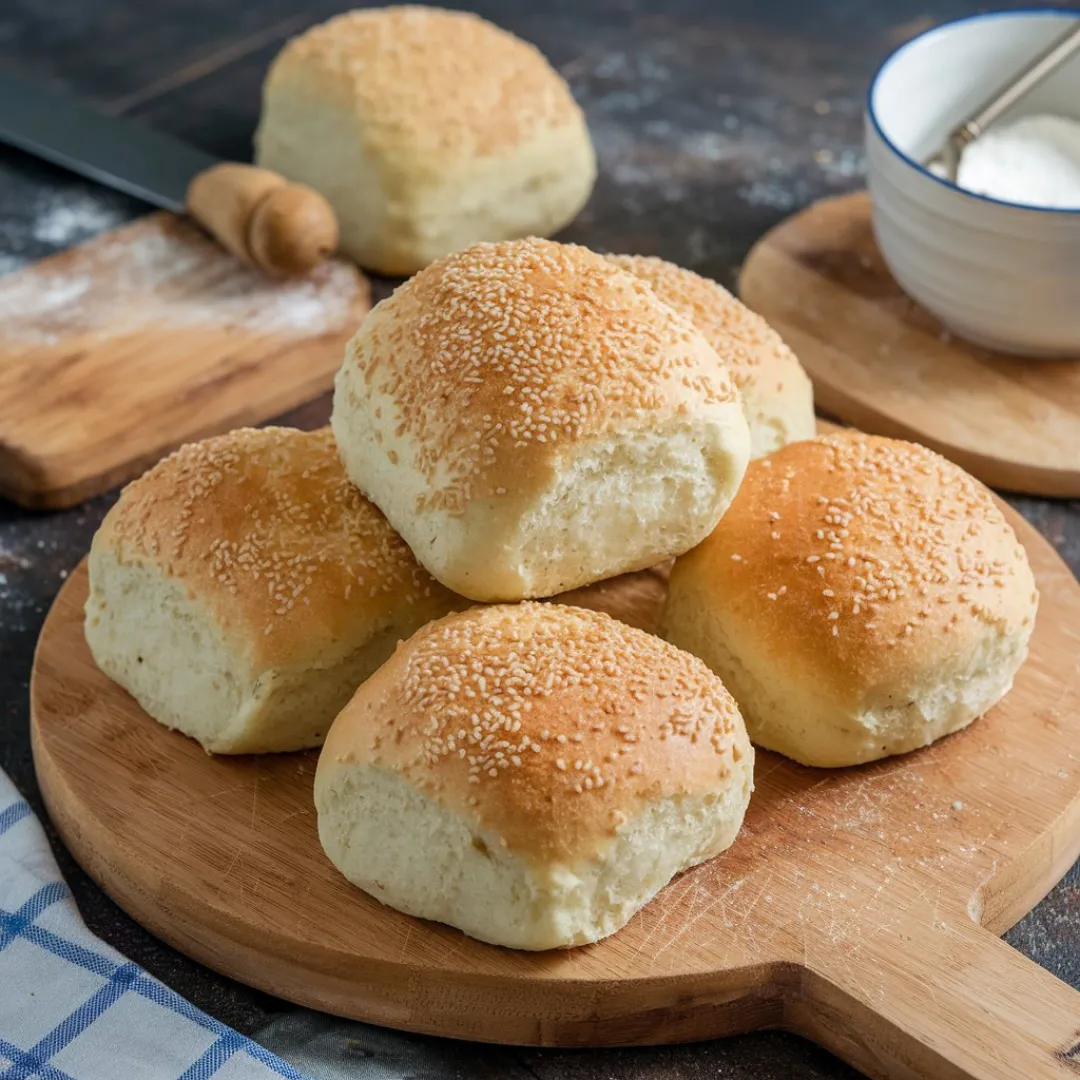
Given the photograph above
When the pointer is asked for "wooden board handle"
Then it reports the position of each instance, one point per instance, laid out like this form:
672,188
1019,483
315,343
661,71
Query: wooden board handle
954,1003
284,229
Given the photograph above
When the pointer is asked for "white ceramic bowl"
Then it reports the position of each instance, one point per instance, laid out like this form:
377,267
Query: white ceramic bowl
999,274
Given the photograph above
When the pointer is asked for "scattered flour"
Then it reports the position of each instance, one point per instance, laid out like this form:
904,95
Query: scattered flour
166,278
776,195
14,604
70,220
659,138
56,219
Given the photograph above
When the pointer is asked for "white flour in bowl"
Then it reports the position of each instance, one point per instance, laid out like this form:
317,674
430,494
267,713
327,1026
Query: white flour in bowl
1034,160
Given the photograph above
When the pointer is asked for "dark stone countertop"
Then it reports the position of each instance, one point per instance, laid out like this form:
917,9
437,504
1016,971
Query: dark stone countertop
712,120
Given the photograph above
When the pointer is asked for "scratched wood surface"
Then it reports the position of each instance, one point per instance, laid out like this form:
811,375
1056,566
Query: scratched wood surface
117,351
884,364
858,907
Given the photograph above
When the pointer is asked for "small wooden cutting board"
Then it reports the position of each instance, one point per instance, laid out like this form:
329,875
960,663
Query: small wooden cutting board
858,907
884,364
117,351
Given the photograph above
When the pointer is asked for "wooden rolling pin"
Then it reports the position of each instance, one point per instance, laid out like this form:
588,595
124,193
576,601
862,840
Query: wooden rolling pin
284,229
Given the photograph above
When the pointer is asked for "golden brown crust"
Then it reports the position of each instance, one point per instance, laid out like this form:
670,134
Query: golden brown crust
498,355
856,562
444,84
548,725
754,351
266,529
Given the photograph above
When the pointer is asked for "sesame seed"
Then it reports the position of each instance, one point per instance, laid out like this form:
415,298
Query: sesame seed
305,529
544,655
497,353
742,339
893,533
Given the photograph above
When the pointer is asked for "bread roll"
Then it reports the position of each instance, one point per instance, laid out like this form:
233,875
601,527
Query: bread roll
242,589
427,130
862,597
531,418
532,774
777,397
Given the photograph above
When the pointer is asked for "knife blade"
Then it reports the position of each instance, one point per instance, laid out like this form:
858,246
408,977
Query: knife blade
115,152
282,228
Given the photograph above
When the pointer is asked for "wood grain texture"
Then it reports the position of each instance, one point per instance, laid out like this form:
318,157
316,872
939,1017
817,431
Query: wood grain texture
706,129
884,364
117,351
858,906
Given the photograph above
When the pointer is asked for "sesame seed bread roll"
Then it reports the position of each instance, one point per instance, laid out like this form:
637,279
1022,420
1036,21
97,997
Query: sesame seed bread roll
777,397
242,589
427,130
532,774
532,419
861,598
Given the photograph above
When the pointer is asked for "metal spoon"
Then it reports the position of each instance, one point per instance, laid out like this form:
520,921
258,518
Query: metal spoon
946,161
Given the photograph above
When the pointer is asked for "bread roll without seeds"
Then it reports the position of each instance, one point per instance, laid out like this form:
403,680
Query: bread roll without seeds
427,130
531,419
862,597
532,774
777,397
242,589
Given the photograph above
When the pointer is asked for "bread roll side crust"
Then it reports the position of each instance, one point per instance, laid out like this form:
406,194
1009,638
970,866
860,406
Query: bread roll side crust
458,873
148,633
797,719
603,507
395,219
166,648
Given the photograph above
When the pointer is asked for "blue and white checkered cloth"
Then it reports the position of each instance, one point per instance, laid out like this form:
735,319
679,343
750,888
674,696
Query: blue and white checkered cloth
72,1008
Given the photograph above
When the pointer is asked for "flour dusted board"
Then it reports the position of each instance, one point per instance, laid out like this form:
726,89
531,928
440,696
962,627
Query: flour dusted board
117,351
882,363
858,906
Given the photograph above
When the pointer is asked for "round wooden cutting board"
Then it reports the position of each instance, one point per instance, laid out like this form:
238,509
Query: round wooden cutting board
884,364
858,907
